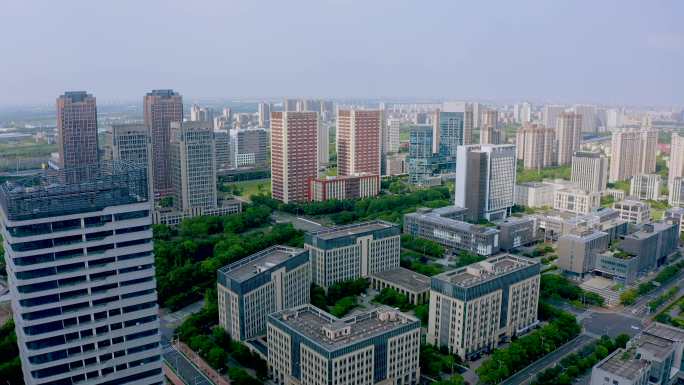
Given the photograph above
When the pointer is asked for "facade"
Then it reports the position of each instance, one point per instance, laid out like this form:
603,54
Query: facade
550,115
676,193
423,162
161,108
569,136
517,232
633,211
131,143
490,132
391,136
452,127
269,281
578,250
534,194
485,180
632,153
589,117
358,141
474,308
396,164
589,171
222,149
77,129
576,201
249,148
535,146
308,346
445,226
676,165
79,255
645,187
415,286
352,251
294,156
193,166
323,144
344,187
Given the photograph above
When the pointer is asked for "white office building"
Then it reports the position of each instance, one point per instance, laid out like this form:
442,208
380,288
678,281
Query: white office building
589,171
645,187
79,254
576,201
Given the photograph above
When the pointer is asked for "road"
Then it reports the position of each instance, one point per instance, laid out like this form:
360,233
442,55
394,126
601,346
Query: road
550,359
170,321
640,308
188,372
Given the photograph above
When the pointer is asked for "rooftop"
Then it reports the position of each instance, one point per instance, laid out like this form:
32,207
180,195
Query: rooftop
665,331
255,264
623,363
486,270
351,230
659,347
334,333
405,278
443,218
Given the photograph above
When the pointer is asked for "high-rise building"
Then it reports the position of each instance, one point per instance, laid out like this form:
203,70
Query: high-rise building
676,193
131,143
309,346
294,155
490,132
589,171
676,165
390,138
474,307
614,118
290,105
423,163
222,149
550,115
193,166
250,289
522,113
249,148
264,112
632,153
352,251
452,127
201,114
588,113
358,141
77,129
485,180
645,187
161,108
569,136
535,146
79,255
323,144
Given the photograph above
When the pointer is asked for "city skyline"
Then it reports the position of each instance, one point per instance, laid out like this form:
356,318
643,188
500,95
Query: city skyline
542,51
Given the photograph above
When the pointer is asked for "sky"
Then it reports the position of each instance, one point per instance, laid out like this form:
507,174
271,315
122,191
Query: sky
568,51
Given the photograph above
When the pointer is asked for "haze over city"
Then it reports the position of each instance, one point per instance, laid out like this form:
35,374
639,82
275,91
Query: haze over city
612,52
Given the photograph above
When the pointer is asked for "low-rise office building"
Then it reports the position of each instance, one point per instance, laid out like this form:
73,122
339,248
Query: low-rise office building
576,201
675,214
653,243
618,266
633,211
308,346
645,187
577,251
534,194
415,286
172,217
271,280
517,232
553,224
344,187
617,194
474,308
353,251
440,226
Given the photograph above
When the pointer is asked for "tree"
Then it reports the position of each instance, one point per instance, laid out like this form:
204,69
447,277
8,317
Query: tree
621,340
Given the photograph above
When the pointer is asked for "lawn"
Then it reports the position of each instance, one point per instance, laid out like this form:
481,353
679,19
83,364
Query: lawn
246,189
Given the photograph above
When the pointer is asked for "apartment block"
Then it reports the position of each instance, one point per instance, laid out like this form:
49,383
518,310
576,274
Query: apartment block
446,227
359,141
308,346
352,251
632,153
79,255
633,211
474,308
550,115
676,164
576,201
391,136
589,171
490,132
485,180
269,281
676,193
294,154
344,187
535,146
568,135
77,129
577,251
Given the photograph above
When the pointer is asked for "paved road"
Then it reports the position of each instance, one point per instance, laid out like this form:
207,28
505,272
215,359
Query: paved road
528,373
184,368
170,321
611,324
640,308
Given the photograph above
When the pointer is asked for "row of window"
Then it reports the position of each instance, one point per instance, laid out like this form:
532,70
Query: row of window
72,224
65,368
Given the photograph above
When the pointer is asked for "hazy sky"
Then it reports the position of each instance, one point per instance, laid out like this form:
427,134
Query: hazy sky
611,51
